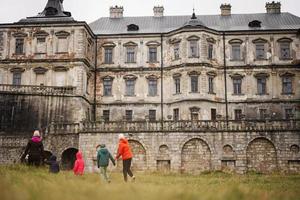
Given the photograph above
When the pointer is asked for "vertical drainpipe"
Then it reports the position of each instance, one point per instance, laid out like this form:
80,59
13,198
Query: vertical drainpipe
95,81
161,82
225,79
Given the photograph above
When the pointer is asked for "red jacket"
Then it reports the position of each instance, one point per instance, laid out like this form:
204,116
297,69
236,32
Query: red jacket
79,164
124,150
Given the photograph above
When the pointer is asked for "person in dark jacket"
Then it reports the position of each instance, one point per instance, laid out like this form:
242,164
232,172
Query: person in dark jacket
103,157
34,149
53,164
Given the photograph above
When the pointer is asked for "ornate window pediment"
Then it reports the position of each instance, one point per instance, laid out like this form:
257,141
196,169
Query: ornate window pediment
153,43
40,70
60,69
261,75
130,44
194,109
194,73
286,74
176,75
108,44
193,37
259,40
235,41
17,70
62,34
174,40
130,77
20,34
236,76
152,77
211,73
107,78
285,39
211,40
40,34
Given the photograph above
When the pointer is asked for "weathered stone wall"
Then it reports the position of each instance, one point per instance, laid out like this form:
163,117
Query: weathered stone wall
11,148
28,112
196,152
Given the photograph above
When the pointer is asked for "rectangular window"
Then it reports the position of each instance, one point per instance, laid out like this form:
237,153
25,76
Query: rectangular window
176,51
177,85
236,52
108,55
128,115
17,78
176,114
285,50
107,87
210,51
106,115
261,86
152,87
262,114
60,78
130,54
287,85
130,86
213,114
237,86
210,85
19,46
193,48
260,51
194,83
152,54
238,114
288,113
62,46
152,115
41,45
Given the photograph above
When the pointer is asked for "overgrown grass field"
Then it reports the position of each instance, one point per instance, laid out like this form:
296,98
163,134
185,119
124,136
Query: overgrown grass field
22,182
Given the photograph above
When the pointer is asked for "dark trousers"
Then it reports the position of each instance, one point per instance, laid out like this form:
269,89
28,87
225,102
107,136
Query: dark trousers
34,160
126,168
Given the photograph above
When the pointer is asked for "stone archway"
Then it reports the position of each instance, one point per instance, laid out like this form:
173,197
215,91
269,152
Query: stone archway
139,161
68,158
195,156
261,156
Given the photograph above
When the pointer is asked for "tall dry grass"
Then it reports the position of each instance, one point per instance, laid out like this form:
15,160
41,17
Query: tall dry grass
22,183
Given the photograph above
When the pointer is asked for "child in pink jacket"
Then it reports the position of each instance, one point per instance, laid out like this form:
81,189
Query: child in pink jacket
79,164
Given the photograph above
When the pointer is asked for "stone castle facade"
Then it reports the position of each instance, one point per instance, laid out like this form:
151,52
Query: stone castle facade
192,93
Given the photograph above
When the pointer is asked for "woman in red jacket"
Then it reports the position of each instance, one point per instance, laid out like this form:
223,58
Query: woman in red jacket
79,164
124,150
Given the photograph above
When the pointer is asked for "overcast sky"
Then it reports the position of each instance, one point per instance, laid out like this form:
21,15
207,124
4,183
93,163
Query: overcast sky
90,10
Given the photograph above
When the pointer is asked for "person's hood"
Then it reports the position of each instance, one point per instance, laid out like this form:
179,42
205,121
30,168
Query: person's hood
124,141
36,139
52,158
103,151
79,155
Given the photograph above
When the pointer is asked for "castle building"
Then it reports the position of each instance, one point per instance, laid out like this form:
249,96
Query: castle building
193,93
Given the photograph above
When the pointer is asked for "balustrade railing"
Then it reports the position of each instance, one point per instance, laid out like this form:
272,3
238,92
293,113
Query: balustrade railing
187,125
38,89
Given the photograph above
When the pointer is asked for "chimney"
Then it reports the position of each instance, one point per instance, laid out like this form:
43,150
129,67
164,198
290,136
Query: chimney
225,9
116,12
158,11
273,7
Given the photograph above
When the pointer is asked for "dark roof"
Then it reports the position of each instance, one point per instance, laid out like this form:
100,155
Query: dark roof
234,22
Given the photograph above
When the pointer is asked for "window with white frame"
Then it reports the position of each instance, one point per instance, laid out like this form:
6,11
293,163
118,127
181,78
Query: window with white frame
152,86
130,85
176,51
193,49
107,86
130,54
108,55
285,48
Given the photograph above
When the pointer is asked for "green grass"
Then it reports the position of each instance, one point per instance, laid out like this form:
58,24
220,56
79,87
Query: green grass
22,182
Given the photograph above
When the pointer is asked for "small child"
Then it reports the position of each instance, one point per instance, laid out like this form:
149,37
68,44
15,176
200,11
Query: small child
53,164
103,156
79,164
